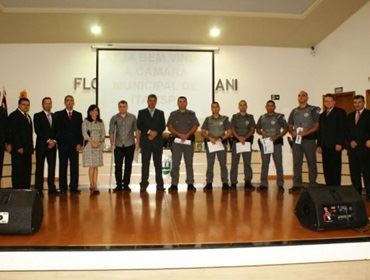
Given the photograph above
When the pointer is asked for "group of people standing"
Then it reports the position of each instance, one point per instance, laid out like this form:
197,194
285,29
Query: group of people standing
328,133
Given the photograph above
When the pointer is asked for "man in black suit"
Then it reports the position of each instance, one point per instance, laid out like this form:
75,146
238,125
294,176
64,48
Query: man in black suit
330,142
151,124
20,139
358,138
3,131
69,139
44,123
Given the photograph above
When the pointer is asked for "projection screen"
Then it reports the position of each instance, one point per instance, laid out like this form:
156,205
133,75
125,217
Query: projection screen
133,74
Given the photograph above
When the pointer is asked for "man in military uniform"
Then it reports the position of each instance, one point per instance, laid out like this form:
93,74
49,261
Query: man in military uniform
215,129
274,126
303,123
242,129
182,123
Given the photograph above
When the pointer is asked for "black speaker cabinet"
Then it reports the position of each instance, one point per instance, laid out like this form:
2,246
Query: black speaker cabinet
321,208
20,211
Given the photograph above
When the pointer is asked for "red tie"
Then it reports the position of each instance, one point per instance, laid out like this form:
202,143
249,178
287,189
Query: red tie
69,115
357,118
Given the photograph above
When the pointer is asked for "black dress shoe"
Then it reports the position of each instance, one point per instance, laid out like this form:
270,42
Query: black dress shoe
117,189
295,189
233,186
281,189
248,186
76,191
225,187
126,189
191,188
63,191
173,188
160,188
208,187
262,188
53,192
143,189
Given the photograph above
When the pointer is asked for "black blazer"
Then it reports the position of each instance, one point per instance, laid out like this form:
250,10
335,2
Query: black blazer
146,122
360,132
20,132
43,129
3,126
68,131
332,128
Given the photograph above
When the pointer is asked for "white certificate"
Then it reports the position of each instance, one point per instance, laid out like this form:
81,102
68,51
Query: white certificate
179,141
218,146
242,148
267,146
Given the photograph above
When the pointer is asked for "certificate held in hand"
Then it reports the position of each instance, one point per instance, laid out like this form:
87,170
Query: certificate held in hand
267,145
243,147
218,146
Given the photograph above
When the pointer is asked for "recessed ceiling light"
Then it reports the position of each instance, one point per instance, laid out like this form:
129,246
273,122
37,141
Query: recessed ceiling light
95,29
214,32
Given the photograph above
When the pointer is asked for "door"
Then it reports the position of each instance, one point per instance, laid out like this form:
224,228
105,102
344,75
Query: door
368,99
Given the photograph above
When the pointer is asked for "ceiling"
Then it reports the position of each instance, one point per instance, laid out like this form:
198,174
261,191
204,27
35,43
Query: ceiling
283,23
256,6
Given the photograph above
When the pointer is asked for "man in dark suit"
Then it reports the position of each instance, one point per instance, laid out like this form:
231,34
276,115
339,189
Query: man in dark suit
358,138
20,139
44,123
151,124
3,131
69,139
330,142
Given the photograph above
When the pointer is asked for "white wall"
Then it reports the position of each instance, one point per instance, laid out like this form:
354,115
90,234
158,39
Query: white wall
263,71
343,58
46,70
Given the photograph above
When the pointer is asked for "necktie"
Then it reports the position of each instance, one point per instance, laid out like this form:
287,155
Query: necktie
27,117
50,119
357,118
151,112
69,115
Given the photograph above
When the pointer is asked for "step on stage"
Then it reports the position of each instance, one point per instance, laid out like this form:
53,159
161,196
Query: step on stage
159,220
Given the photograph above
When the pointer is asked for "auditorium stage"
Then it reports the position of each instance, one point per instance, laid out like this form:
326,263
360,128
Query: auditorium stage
152,220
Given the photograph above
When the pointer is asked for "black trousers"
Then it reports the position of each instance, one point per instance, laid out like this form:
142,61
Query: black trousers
68,153
147,151
359,166
50,155
1,161
332,165
21,170
120,154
